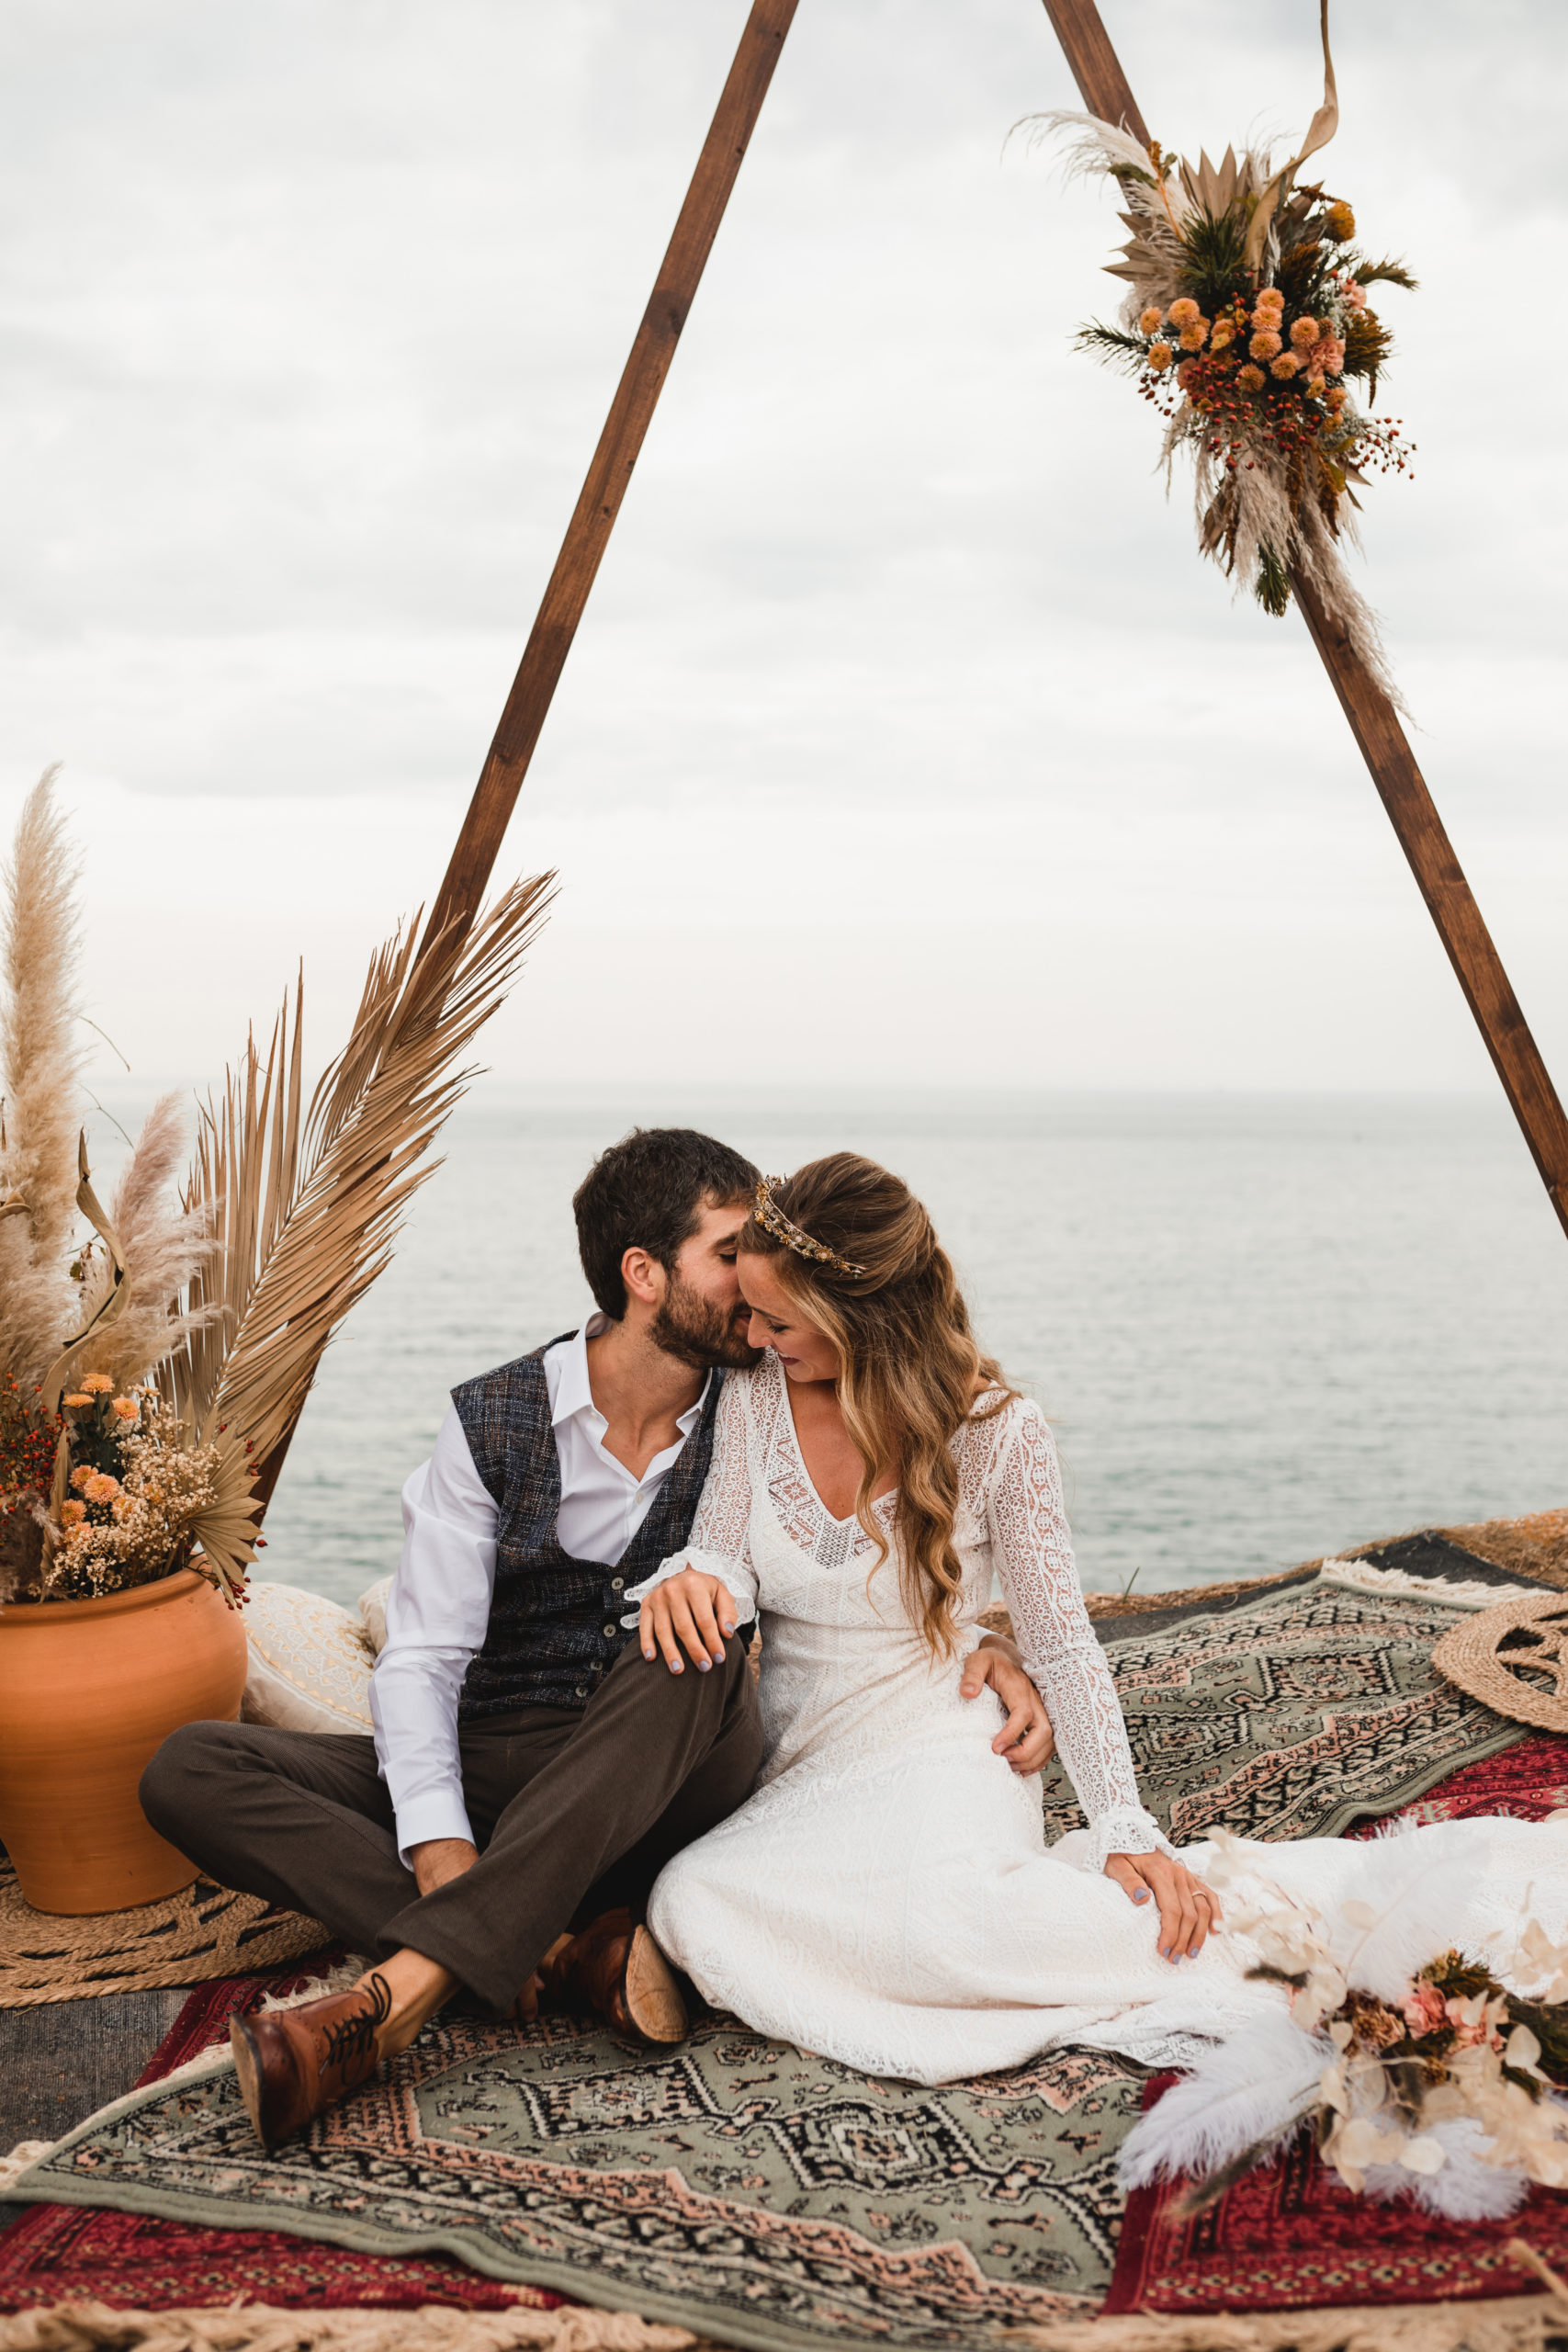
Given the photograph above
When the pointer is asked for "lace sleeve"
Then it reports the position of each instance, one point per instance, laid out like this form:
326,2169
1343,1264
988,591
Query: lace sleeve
721,1532
1032,1551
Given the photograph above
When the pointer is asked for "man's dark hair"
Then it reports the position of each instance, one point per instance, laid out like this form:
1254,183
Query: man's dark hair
649,1192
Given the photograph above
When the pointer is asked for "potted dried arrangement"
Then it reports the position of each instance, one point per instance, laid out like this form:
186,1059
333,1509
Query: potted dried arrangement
154,1355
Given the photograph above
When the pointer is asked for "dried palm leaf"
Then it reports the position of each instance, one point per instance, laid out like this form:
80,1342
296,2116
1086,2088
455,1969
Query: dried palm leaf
304,1206
40,1068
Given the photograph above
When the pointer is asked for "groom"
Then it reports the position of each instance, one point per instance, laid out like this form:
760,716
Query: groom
529,1770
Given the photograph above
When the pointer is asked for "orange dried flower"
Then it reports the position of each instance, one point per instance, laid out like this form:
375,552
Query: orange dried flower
1265,344
125,1408
1192,335
100,1487
1251,378
77,1400
1305,332
1184,312
1222,337
72,1513
1268,298
97,1384
1150,318
1286,365
1159,356
80,1476
1340,222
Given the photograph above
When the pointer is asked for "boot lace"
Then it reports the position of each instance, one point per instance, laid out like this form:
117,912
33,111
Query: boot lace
352,2039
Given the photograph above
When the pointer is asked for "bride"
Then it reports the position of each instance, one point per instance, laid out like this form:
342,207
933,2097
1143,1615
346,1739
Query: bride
885,1897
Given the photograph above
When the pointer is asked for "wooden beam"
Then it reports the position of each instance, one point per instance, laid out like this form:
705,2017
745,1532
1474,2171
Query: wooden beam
620,443
1374,722
1450,903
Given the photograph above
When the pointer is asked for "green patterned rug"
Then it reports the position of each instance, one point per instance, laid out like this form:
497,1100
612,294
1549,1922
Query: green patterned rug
735,2186
1296,1714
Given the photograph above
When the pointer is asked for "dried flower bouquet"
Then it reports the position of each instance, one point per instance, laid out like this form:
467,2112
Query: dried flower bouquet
1245,324
1433,2077
151,1366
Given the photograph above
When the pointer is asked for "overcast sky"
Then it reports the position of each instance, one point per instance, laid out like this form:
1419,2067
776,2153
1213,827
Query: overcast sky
907,736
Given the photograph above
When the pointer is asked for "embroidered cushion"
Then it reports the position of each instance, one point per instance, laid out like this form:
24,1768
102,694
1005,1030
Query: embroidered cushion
310,1663
372,1606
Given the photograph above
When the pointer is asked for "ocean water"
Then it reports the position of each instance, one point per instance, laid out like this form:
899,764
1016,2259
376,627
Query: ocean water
1264,1327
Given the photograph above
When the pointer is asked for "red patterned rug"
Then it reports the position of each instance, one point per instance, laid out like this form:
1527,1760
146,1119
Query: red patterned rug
1526,1781
1291,2235
58,2253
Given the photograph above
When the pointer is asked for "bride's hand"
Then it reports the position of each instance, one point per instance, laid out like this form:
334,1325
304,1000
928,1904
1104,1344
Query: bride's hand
1188,1911
1026,1739
690,1608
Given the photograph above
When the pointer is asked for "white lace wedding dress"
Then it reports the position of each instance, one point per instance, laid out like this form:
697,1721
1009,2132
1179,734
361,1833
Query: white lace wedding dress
885,1897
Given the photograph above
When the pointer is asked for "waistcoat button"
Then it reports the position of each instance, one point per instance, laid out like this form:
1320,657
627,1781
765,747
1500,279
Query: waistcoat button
616,1583
611,1629
582,1689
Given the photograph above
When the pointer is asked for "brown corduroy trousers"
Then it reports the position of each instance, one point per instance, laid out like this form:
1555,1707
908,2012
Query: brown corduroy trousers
574,1812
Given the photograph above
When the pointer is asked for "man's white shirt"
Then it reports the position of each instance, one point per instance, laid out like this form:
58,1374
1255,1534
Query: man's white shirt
439,1605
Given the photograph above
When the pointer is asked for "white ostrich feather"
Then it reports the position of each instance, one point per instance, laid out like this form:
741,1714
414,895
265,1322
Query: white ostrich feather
1465,2187
1243,2097
1405,1904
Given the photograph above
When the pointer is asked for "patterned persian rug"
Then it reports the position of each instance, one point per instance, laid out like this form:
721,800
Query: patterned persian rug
1292,2236
735,2186
1295,1713
68,2254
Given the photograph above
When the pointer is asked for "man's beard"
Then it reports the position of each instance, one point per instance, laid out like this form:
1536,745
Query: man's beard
693,1329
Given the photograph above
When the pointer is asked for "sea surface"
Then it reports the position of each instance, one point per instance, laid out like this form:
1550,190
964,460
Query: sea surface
1264,1328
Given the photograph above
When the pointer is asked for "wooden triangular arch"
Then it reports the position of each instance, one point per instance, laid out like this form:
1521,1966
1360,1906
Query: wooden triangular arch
1373,719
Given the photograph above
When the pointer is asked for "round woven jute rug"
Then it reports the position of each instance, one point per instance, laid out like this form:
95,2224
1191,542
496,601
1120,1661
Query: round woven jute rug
203,1932
1514,1658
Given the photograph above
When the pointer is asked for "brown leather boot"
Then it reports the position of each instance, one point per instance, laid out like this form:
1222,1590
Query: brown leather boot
293,2064
618,1970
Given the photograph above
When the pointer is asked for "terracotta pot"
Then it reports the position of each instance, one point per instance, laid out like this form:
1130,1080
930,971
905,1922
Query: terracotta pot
89,1690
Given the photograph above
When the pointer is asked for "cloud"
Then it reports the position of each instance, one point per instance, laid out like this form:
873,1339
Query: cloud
314,314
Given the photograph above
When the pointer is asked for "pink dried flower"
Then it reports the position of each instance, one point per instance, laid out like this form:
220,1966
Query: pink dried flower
1305,332
1250,377
1425,2009
1353,296
1329,355
1287,363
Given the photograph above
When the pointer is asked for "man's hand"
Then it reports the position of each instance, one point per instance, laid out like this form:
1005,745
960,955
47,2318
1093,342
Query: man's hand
693,1608
1188,1911
439,1860
1026,1739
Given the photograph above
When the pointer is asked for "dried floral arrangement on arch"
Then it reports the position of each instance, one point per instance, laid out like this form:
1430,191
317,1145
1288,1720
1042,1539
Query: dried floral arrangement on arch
1246,322
154,1354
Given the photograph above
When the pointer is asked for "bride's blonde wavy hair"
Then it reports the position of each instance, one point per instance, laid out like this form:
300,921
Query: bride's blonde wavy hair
910,1366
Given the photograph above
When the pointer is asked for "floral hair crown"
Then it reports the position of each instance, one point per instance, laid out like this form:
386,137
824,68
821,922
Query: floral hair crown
767,1213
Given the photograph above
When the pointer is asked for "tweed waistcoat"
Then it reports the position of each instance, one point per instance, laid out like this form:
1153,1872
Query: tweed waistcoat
555,1628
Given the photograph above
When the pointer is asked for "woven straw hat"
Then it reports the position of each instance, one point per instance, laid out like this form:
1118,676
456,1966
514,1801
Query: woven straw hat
1515,1658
